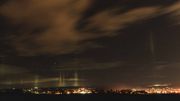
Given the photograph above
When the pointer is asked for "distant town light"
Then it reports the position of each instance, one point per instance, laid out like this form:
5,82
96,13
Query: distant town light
36,87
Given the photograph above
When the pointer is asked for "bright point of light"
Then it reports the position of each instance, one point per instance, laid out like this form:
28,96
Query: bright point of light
68,92
57,93
36,88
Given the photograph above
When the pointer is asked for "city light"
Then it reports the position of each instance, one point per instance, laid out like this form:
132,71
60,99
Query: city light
59,91
84,91
166,90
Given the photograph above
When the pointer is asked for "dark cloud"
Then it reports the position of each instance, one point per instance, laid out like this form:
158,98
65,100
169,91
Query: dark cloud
49,27
99,39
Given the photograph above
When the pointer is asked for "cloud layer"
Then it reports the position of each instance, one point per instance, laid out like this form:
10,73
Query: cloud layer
55,19
49,27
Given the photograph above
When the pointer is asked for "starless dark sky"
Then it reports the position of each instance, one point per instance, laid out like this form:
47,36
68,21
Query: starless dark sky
127,43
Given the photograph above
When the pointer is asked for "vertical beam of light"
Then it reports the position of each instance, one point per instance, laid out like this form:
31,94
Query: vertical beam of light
63,80
60,82
76,79
36,81
152,47
22,82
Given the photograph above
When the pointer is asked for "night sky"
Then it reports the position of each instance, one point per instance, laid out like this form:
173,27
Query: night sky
123,43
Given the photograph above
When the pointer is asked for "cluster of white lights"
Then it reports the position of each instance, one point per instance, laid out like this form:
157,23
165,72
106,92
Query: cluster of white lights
82,91
163,91
59,92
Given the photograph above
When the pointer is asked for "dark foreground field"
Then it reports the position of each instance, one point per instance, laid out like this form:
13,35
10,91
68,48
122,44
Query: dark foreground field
17,97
